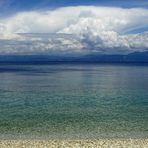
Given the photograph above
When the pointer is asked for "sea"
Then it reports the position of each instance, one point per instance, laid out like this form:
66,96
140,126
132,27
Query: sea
42,101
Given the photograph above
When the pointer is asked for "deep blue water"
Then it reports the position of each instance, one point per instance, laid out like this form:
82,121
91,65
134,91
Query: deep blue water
73,101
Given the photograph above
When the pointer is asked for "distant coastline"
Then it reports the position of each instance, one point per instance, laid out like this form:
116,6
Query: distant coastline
137,57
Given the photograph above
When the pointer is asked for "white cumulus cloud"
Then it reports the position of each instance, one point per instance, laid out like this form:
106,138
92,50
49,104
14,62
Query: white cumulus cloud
81,29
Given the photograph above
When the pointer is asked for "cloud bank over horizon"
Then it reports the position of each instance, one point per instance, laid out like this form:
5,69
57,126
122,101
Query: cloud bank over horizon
75,30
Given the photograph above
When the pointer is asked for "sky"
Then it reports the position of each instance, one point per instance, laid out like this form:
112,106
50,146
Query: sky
74,27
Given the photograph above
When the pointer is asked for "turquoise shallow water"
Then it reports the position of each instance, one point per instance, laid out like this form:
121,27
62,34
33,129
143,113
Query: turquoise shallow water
73,101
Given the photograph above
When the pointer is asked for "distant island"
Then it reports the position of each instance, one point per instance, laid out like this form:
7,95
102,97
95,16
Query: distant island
136,57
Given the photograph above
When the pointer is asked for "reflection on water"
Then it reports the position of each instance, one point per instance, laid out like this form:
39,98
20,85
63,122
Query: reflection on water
73,101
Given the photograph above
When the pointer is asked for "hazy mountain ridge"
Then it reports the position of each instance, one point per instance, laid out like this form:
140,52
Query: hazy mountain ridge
141,57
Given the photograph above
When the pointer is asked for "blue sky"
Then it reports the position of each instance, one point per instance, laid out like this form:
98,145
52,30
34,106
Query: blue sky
73,26
9,7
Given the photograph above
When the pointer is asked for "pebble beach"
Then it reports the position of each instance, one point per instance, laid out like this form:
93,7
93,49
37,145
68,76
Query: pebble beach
102,143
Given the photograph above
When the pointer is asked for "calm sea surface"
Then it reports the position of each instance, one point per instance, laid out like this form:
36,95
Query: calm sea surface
73,101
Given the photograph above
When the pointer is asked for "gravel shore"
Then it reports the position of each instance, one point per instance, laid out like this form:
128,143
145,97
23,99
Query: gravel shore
102,143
